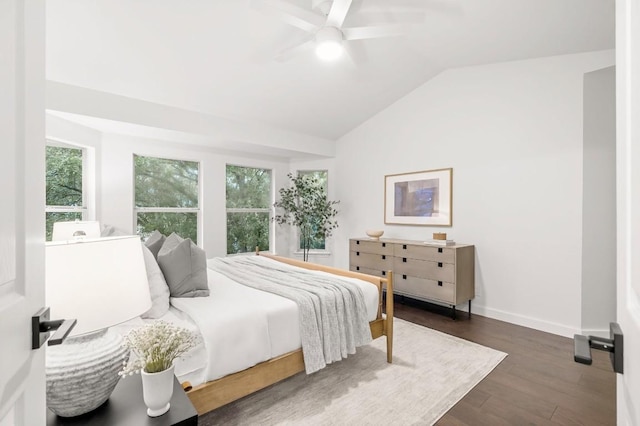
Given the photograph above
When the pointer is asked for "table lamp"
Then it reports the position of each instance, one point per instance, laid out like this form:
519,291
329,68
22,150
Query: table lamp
100,282
74,230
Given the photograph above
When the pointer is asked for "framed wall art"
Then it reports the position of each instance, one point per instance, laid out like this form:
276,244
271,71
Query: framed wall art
419,198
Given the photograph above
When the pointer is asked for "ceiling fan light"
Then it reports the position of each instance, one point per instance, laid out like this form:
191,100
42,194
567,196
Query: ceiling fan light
329,43
329,50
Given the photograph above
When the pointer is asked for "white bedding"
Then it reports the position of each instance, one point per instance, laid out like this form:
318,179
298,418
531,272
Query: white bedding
242,327
190,368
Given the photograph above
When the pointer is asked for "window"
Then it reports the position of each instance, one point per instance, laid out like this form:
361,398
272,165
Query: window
318,241
166,196
248,209
65,199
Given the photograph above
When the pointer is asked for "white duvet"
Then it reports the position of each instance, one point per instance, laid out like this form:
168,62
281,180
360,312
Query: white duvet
242,327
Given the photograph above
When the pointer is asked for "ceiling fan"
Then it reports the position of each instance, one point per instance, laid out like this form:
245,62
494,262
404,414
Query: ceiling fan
324,24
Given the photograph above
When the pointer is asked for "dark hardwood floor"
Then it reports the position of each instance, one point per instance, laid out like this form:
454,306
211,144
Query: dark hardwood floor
538,383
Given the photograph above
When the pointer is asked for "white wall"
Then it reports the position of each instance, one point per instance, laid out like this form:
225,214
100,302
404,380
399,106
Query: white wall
599,201
117,194
513,134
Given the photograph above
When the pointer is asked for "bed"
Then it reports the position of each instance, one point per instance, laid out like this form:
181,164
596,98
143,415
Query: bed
249,346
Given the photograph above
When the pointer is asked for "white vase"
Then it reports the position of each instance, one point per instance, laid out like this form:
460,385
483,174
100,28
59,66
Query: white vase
157,389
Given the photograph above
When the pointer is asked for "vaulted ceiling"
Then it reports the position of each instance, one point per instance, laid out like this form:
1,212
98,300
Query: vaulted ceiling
216,57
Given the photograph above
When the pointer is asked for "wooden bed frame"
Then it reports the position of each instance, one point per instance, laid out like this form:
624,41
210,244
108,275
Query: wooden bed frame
211,395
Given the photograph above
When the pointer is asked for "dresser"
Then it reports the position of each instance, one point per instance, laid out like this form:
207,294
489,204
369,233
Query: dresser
444,274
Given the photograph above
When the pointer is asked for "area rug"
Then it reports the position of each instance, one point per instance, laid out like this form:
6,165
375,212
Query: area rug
431,371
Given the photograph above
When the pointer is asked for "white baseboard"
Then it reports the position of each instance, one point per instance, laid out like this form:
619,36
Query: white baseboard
600,332
535,323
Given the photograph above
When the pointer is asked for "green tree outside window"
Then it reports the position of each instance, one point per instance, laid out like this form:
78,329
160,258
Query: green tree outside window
317,240
64,195
166,196
248,204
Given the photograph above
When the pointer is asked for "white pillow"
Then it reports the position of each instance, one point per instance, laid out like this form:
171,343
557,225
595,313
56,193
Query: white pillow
157,286
112,231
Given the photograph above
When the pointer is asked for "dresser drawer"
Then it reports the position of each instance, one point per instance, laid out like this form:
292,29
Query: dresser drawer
437,254
368,246
429,289
368,271
372,261
437,271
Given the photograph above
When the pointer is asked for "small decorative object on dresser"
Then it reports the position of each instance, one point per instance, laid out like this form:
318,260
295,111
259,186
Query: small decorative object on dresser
154,347
439,270
440,242
374,234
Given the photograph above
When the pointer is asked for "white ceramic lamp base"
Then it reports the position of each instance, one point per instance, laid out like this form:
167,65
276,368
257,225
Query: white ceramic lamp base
83,371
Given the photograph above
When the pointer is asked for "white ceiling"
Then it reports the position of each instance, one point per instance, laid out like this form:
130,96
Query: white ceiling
215,56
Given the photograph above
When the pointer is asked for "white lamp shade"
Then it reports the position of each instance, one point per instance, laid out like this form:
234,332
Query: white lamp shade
100,282
75,229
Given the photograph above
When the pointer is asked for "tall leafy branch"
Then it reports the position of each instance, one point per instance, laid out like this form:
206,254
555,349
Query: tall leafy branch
304,204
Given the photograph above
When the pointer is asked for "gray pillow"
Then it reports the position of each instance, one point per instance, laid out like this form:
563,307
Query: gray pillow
184,266
154,242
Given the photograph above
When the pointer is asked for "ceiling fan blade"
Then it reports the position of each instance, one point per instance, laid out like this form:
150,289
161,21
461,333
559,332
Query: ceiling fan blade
287,54
360,33
382,17
338,13
291,14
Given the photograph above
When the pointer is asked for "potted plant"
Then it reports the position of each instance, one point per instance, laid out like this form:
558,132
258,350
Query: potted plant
304,205
154,347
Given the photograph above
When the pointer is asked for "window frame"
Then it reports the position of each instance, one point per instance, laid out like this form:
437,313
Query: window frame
316,252
86,209
269,210
196,210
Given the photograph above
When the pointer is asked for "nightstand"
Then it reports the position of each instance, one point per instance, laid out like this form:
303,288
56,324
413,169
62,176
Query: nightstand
126,407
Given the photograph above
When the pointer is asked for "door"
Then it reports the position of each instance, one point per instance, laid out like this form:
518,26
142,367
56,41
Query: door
22,382
628,216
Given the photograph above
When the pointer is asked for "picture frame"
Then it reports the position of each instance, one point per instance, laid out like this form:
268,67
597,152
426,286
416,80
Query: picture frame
419,198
